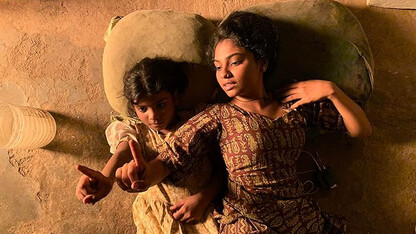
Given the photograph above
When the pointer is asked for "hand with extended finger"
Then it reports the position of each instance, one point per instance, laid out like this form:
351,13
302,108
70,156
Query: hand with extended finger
92,186
307,91
130,176
189,209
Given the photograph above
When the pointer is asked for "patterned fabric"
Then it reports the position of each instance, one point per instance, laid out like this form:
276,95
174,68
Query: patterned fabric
264,194
151,211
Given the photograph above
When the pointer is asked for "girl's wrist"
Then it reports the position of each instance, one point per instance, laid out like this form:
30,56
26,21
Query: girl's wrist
156,171
109,177
202,199
332,90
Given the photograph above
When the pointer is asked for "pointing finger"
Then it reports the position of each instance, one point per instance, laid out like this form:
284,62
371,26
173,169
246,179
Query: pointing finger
132,171
133,152
88,171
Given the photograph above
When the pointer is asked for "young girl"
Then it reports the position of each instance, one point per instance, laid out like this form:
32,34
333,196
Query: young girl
152,88
261,135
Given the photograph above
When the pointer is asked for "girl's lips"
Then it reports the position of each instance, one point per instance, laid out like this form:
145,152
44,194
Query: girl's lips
158,123
229,86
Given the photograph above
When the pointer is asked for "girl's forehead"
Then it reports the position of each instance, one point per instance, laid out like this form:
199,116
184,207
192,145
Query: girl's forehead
226,48
160,96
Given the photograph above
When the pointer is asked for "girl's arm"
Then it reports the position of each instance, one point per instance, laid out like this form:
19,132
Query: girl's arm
353,116
118,159
195,138
94,185
309,91
193,207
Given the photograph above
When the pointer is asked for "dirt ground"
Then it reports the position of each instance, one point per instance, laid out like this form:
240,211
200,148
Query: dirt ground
50,57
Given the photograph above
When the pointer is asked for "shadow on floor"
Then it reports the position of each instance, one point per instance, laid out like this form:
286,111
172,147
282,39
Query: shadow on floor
77,137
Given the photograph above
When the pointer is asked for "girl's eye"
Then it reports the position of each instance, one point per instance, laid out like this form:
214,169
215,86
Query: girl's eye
142,109
235,63
217,67
161,105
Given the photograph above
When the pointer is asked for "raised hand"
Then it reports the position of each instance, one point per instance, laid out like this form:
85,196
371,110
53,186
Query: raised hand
130,176
92,186
307,91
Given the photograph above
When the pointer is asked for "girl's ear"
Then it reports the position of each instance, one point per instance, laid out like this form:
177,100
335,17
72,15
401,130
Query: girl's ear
263,64
175,98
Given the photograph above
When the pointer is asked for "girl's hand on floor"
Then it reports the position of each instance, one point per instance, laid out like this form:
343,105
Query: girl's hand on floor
307,91
189,209
92,186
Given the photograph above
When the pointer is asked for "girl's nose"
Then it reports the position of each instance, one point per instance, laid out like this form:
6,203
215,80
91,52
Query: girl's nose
226,73
152,114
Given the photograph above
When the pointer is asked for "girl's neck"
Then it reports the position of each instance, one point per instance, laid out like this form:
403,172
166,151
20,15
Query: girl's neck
266,106
260,99
253,102
164,131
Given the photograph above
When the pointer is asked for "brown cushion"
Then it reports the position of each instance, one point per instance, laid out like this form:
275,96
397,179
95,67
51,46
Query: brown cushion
181,37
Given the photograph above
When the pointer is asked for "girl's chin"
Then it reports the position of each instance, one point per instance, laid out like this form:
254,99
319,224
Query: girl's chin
158,128
230,93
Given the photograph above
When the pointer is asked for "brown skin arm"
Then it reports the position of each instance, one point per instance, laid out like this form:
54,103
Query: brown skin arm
309,91
94,185
193,207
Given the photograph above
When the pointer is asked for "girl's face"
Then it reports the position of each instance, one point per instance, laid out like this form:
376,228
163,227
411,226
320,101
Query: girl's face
157,111
238,73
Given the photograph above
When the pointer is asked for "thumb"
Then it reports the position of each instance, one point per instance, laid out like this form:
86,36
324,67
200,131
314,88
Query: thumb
137,156
178,205
140,186
89,199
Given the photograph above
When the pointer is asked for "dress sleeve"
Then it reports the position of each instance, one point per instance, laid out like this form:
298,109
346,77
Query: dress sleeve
193,140
324,115
119,131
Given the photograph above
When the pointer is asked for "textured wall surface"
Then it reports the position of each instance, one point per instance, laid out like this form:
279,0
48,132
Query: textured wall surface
50,57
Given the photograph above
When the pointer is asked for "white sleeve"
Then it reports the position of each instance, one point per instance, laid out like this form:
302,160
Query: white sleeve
118,132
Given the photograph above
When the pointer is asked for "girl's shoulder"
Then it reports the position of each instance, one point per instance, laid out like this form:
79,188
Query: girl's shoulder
131,124
206,113
214,110
201,108
125,119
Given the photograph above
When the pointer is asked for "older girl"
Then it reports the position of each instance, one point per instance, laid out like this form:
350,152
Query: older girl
261,134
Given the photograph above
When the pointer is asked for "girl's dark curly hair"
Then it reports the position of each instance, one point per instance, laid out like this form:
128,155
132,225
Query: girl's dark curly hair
151,76
257,34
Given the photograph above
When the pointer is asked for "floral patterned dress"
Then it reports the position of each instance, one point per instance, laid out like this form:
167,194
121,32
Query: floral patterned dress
151,213
264,194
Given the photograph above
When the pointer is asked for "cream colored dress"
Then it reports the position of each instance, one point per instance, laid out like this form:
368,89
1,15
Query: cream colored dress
151,211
